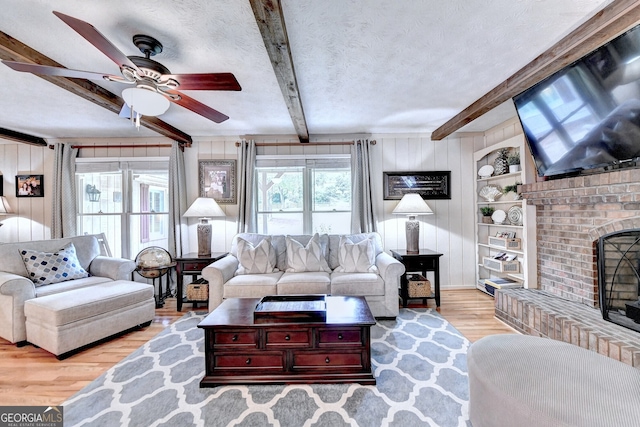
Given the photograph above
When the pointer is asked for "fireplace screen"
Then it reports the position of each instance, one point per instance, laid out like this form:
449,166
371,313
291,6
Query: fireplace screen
618,278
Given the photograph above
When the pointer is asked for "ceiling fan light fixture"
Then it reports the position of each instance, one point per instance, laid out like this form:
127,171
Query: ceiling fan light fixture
145,102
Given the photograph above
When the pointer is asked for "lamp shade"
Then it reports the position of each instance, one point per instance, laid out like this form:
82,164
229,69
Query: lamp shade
204,207
145,101
5,209
412,204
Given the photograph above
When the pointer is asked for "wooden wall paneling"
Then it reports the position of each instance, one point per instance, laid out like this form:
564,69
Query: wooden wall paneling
10,170
467,178
23,162
38,204
455,215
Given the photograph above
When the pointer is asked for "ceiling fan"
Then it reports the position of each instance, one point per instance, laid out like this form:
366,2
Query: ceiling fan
153,85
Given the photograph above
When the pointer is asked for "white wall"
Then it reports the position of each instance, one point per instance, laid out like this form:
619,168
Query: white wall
449,231
32,219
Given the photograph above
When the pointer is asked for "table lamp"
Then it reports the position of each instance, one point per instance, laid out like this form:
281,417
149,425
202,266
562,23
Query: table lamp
5,209
412,205
203,208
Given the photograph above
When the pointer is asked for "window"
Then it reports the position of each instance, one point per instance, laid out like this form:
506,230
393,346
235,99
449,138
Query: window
303,195
132,206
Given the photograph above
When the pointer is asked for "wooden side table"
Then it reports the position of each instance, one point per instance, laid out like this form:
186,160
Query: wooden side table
425,260
192,265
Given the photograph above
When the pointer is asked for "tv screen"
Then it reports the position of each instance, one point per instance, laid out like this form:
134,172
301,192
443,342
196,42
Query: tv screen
586,115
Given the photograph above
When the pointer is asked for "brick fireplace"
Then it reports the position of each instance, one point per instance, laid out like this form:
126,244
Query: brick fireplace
572,214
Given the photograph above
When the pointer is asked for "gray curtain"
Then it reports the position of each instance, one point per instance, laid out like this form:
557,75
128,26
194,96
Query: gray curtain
179,239
247,216
363,219
64,209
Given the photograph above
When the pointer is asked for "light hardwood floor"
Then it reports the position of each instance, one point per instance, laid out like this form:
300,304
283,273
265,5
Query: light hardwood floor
32,376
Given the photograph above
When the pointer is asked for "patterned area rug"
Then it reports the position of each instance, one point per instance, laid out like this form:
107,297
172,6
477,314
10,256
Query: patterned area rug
420,369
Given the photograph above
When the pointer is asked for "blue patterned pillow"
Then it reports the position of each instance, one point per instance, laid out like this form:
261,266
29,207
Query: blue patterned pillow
46,268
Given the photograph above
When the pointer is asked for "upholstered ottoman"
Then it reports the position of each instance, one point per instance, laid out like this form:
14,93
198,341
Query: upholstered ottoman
526,381
64,322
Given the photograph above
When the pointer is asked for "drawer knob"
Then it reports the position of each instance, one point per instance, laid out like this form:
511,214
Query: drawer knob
287,338
248,361
327,360
339,336
234,338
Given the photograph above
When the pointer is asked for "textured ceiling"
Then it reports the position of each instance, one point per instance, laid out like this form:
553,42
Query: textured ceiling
362,66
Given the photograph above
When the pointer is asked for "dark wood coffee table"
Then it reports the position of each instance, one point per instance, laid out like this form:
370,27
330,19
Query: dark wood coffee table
240,349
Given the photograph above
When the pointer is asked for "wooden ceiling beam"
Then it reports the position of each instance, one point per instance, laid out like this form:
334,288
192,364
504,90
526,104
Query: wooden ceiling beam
268,14
611,21
14,50
25,138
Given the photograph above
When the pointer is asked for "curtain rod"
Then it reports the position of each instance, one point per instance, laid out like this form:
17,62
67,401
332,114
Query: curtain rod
300,144
119,146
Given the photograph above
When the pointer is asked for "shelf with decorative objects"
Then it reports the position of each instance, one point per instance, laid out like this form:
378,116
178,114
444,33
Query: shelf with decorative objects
505,230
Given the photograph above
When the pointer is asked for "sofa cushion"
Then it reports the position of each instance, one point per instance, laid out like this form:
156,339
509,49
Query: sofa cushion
334,245
358,284
257,259
311,257
69,307
356,257
251,285
69,285
45,268
310,282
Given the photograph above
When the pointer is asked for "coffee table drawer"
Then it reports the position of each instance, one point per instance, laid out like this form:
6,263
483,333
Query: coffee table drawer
347,336
325,360
284,338
249,361
243,338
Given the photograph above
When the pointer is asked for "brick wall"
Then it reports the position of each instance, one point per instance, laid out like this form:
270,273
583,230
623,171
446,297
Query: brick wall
572,213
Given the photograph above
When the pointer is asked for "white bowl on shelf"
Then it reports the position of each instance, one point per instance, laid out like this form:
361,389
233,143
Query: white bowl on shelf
499,216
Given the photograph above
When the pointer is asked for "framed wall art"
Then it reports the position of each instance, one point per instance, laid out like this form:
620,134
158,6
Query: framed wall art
29,185
429,184
217,180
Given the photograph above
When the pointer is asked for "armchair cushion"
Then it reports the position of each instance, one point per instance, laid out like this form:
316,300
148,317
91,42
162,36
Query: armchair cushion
46,268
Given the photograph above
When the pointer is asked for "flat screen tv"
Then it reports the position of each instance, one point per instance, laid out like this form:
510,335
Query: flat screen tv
587,115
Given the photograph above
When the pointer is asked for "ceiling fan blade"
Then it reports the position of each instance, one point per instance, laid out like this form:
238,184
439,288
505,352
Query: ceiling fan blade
94,37
210,81
198,107
60,71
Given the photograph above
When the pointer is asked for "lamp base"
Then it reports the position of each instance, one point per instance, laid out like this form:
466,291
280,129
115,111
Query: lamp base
413,236
204,237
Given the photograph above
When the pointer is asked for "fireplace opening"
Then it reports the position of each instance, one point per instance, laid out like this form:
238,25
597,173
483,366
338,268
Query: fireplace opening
618,262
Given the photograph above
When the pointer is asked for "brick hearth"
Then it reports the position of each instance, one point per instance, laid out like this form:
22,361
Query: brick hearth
539,313
572,214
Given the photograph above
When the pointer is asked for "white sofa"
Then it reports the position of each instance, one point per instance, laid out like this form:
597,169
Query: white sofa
16,289
379,287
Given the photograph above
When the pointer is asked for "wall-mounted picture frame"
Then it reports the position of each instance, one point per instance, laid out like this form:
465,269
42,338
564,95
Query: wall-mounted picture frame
29,185
429,184
217,180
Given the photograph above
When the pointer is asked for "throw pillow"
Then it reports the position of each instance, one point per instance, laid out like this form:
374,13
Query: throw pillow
257,259
306,258
46,268
356,257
